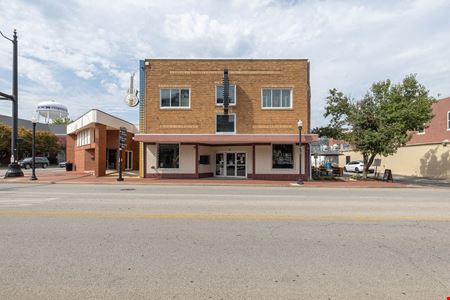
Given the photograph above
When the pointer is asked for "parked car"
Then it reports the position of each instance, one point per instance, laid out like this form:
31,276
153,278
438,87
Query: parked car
27,163
356,166
62,164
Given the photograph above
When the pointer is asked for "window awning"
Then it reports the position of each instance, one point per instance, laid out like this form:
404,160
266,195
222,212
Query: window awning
225,138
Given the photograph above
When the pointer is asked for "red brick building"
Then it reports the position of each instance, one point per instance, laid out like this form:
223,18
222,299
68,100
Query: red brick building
439,128
93,143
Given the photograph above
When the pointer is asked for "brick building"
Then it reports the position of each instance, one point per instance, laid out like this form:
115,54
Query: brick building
184,132
93,143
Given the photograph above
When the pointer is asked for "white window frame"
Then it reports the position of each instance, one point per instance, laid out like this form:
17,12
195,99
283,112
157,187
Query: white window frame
271,91
221,104
420,132
225,163
84,137
448,120
215,123
174,107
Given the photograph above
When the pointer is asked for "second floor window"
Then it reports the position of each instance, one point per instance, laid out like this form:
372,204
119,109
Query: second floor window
231,97
276,98
175,98
84,137
226,123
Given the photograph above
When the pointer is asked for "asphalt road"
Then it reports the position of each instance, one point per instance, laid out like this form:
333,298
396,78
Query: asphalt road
167,242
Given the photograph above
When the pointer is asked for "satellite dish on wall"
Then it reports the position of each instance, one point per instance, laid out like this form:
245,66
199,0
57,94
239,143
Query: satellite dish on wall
131,98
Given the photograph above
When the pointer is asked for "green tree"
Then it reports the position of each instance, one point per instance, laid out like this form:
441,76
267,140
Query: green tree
5,143
24,148
327,131
60,121
383,120
47,143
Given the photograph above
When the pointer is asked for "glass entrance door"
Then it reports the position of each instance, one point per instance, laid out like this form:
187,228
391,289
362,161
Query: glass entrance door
231,164
240,165
111,159
220,164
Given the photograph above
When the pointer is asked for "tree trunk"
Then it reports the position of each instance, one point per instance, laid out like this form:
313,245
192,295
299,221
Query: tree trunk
368,163
365,159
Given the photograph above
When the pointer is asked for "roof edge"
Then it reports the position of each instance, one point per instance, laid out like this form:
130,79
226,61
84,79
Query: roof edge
101,111
226,59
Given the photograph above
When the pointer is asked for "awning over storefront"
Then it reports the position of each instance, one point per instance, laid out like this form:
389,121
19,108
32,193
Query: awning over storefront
326,153
225,138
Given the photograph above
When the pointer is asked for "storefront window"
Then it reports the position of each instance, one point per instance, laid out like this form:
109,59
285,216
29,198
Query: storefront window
168,156
283,156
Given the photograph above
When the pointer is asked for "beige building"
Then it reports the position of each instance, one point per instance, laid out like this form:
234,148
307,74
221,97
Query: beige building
427,154
186,133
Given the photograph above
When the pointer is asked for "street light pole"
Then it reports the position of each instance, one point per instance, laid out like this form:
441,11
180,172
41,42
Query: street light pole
300,126
14,169
33,150
15,95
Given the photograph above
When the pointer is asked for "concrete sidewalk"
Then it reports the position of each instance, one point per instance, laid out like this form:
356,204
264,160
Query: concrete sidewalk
80,178
422,181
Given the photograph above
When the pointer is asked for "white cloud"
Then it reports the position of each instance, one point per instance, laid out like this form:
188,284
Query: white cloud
39,73
82,52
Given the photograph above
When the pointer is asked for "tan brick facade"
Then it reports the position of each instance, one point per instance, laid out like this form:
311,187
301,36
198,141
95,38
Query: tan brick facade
249,76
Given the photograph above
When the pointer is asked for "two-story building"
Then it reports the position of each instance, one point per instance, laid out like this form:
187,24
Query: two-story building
185,133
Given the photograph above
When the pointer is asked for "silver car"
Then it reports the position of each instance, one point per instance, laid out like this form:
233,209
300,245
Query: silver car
27,163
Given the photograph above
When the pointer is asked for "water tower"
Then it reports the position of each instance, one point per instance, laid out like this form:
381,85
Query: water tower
51,110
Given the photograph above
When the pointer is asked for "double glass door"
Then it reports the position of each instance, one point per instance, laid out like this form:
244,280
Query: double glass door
231,164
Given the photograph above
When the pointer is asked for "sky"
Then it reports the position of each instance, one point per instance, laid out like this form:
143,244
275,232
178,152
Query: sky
81,53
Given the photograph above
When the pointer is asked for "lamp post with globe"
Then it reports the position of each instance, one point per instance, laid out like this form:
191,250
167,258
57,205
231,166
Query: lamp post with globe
300,126
33,150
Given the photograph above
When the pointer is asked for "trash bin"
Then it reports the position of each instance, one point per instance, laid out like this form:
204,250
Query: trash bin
69,166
